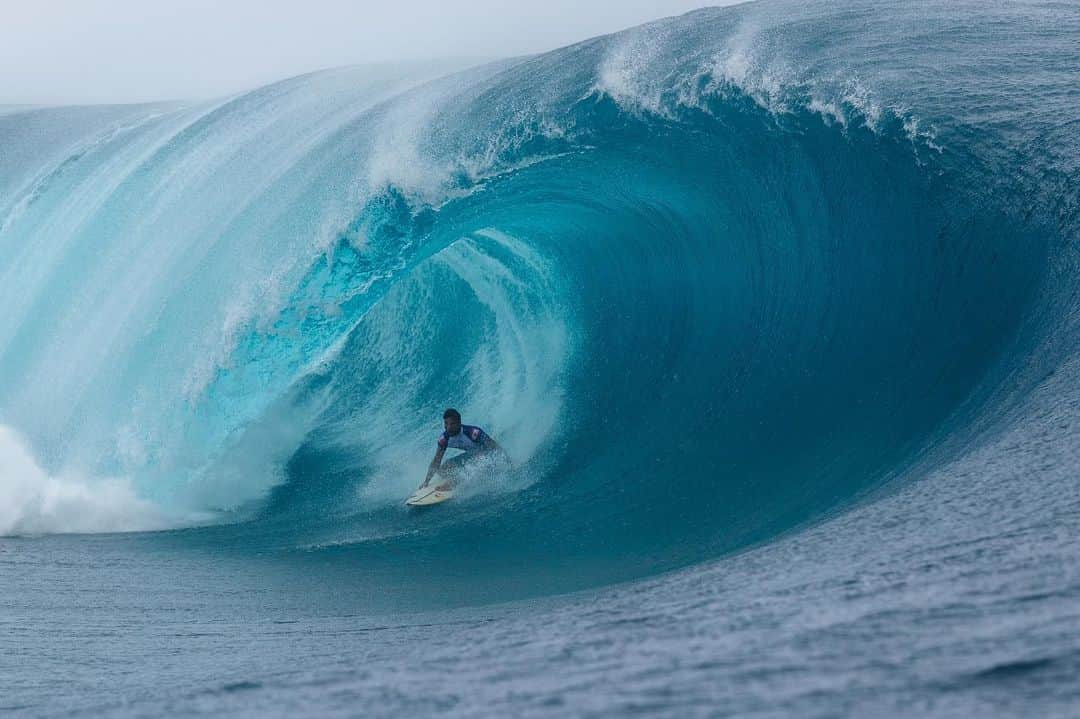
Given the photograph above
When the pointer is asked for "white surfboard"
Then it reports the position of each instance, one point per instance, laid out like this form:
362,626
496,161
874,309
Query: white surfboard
429,495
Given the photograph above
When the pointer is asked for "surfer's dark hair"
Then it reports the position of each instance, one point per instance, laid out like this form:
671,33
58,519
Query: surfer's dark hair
451,412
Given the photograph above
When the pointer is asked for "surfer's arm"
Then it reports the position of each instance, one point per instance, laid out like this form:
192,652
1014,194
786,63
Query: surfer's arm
435,464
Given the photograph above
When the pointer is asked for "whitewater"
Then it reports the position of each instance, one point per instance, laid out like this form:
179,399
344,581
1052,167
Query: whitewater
775,307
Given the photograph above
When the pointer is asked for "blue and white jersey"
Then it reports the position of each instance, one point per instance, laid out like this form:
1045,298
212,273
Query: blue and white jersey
470,439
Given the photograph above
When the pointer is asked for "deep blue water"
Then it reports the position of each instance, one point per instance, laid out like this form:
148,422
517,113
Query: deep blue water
773,305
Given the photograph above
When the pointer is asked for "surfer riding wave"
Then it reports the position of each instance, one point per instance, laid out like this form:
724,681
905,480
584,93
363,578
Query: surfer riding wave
474,443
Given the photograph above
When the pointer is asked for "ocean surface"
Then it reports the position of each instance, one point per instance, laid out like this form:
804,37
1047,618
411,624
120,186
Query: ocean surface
776,307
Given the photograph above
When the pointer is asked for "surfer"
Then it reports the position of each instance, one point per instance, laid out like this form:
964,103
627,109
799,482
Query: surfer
474,441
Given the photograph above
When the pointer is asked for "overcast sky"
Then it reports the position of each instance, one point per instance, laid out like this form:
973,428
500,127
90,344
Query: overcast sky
78,51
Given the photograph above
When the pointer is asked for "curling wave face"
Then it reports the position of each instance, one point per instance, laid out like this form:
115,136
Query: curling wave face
707,280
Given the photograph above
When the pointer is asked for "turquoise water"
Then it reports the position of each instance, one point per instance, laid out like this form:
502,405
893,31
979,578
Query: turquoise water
773,306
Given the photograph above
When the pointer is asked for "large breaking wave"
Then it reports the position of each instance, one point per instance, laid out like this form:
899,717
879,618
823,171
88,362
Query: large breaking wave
707,280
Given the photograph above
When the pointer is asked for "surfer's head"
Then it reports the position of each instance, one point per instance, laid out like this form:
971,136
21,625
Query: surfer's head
452,421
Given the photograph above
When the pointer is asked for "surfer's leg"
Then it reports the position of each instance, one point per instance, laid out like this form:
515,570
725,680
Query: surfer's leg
450,470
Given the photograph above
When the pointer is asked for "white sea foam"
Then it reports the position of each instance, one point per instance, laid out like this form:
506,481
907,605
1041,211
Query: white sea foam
633,73
34,502
627,75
